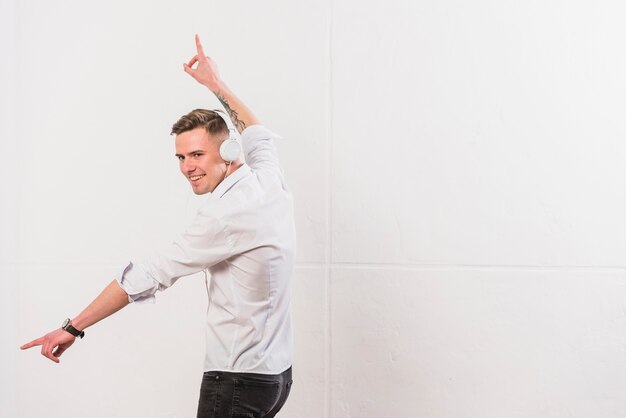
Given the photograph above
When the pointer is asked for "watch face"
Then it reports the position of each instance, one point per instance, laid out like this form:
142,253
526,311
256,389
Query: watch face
65,323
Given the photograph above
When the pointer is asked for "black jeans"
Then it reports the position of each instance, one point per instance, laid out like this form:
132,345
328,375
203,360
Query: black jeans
243,395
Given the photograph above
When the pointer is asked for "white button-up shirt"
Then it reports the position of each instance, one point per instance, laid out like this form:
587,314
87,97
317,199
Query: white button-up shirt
244,235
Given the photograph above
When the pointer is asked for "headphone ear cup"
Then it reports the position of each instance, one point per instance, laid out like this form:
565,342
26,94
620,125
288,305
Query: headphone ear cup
230,150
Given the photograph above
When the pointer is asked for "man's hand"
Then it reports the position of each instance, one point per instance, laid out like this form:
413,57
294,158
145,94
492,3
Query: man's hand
53,344
206,72
110,300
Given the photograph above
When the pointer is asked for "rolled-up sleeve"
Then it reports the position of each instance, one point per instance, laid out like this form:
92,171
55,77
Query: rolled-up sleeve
203,244
259,149
136,282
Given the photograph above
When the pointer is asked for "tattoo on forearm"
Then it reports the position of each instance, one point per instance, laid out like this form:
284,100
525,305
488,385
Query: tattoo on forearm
239,124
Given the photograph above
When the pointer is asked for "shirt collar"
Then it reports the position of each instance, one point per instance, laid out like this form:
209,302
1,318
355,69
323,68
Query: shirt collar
230,181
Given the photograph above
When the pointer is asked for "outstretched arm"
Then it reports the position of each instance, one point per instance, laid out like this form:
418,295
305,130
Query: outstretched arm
112,299
206,73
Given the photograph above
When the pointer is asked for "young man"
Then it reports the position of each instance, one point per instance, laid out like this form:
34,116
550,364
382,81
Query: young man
244,235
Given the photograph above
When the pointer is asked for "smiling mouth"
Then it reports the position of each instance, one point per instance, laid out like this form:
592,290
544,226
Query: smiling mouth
196,178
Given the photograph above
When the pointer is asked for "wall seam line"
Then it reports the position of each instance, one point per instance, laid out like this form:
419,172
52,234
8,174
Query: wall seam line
364,266
475,267
329,176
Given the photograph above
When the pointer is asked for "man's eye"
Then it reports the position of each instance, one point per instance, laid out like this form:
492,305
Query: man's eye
180,157
197,155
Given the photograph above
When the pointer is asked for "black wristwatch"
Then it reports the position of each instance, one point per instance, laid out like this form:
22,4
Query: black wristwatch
67,326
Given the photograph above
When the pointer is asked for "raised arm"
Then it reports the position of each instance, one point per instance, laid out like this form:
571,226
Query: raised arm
110,300
206,73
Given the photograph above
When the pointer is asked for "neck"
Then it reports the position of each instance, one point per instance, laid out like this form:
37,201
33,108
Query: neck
232,167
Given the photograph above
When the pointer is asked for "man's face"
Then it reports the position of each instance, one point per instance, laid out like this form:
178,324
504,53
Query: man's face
199,160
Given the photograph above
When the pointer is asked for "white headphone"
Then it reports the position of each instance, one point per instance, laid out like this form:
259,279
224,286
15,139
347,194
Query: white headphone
230,150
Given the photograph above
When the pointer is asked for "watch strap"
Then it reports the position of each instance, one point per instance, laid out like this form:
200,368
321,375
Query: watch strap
67,326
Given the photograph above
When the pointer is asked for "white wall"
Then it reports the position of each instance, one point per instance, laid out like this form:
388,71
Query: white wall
8,206
460,189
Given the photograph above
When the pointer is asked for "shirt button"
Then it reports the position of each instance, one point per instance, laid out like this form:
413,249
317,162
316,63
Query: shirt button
217,378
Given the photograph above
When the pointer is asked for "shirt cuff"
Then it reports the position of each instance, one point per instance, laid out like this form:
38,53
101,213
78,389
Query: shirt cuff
138,284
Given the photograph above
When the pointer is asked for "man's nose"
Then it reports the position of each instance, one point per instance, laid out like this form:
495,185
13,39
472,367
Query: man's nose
188,166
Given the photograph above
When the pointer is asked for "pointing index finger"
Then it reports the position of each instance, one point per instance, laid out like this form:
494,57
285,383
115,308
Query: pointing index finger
31,344
199,47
